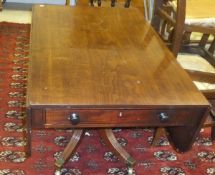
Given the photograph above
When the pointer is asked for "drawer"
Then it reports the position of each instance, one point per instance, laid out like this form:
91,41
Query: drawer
81,118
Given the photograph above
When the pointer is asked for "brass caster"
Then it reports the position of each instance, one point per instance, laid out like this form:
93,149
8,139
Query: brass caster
130,164
57,172
59,162
131,171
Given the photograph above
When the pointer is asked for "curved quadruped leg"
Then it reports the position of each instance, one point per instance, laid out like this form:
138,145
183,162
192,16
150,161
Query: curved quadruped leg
111,141
70,148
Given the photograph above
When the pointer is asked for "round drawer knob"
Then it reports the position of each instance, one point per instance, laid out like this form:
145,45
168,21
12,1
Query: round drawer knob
74,118
163,116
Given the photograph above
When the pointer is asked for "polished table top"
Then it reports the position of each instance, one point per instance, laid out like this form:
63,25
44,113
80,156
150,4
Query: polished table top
103,57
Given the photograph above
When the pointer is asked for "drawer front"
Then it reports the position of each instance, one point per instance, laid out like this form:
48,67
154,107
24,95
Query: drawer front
72,118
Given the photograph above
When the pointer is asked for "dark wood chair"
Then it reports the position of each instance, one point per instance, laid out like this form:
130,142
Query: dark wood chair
1,7
199,17
112,3
170,24
194,20
1,4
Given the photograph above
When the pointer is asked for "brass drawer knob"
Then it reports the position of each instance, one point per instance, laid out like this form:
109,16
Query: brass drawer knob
163,116
74,118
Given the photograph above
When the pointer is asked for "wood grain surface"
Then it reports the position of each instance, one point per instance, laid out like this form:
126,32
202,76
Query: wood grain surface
103,57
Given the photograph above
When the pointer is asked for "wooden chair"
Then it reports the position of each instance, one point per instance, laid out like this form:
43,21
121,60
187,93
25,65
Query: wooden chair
1,7
98,3
1,4
200,17
170,24
112,3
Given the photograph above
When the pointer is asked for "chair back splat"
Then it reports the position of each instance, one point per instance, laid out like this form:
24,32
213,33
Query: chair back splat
169,25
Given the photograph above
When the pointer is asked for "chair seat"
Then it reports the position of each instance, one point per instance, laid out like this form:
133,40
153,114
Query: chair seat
204,22
199,12
196,62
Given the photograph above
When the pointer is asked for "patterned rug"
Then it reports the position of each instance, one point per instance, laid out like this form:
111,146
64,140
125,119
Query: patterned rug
92,157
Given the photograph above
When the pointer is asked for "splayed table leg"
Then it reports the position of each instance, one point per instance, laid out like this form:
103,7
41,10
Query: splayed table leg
111,141
70,148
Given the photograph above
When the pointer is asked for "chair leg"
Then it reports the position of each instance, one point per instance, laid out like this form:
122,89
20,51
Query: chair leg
212,47
127,3
204,40
1,7
67,2
99,2
91,3
186,37
113,3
